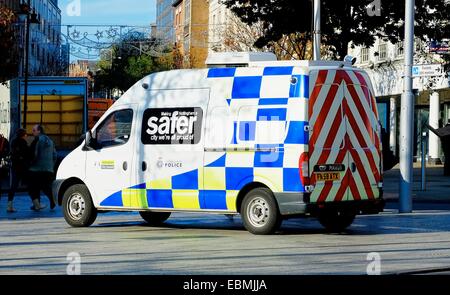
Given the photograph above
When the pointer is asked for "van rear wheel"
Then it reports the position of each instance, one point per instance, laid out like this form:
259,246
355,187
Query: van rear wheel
154,218
78,208
260,213
336,221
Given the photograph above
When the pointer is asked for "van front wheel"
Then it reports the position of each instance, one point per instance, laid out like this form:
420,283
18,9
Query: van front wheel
154,218
78,208
259,212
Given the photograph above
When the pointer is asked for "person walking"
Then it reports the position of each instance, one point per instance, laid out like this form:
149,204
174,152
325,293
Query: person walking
20,160
41,171
4,167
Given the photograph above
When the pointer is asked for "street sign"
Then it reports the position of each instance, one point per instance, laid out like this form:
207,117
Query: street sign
442,47
427,70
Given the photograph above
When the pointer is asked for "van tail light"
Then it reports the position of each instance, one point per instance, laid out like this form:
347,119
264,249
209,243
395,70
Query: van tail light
303,166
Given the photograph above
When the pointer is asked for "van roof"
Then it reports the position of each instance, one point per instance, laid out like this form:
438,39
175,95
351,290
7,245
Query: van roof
303,63
177,79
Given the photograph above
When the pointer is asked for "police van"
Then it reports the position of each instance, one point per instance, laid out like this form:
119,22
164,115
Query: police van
270,141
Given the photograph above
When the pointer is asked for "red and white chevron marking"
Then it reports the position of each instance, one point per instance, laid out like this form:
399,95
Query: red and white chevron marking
344,119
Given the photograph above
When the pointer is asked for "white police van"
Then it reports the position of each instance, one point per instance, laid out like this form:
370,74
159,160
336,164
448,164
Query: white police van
269,141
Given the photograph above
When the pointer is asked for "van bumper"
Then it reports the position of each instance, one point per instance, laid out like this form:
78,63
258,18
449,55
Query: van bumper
291,204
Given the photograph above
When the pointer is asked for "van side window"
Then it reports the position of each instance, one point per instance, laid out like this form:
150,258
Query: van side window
115,129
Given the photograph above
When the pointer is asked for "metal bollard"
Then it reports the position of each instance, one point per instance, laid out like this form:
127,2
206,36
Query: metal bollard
424,163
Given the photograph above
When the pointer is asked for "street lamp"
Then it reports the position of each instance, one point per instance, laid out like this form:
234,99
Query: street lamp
30,19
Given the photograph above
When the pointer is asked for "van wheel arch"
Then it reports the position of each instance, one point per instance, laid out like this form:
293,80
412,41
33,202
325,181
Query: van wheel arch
65,186
245,190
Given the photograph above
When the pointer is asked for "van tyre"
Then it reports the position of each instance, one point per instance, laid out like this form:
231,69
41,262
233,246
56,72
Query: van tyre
259,212
336,221
78,208
154,218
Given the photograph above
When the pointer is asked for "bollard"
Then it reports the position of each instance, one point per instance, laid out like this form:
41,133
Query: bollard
424,163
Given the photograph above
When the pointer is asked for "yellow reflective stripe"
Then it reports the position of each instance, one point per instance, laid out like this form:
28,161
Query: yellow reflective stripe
214,178
231,200
185,199
164,183
134,198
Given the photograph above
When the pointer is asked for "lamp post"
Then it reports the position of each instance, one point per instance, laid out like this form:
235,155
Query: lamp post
407,115
29,18
316,31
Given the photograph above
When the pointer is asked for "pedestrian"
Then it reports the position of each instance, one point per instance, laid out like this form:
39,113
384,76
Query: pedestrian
20,161
4,167
41,171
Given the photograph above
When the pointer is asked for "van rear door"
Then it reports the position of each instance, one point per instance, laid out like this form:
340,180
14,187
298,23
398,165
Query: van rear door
344,139
328,147
363,135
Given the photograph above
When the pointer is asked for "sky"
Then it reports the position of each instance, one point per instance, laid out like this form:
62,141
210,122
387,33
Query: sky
98,15
107,12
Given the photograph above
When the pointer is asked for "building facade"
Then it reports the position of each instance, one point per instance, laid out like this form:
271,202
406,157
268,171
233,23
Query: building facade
164,21
179,25
191,31
218,18
227,33
46,55
384,63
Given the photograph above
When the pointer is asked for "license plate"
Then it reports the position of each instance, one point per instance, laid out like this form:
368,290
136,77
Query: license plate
328,176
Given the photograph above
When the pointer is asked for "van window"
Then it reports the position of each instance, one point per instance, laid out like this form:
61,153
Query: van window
115,129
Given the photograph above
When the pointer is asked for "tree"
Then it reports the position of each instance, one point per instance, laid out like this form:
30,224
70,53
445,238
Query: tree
343,22
128,61
9,51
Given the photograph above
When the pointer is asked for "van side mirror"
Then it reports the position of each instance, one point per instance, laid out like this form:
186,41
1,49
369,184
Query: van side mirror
90,141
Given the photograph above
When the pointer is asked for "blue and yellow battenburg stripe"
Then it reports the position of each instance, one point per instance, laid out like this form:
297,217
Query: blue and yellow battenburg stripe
232,170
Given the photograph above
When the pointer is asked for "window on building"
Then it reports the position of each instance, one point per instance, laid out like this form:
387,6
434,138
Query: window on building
382,51
187,12
399,49
418,45
364,55
214,27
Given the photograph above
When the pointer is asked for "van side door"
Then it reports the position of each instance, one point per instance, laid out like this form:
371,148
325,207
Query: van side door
109,163
169,157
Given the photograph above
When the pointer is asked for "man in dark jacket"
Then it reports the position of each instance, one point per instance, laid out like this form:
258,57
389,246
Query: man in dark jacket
4,153
42,168
20,160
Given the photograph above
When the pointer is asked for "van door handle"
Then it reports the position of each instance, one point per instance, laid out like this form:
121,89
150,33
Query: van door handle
353,167
125,166
144,166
